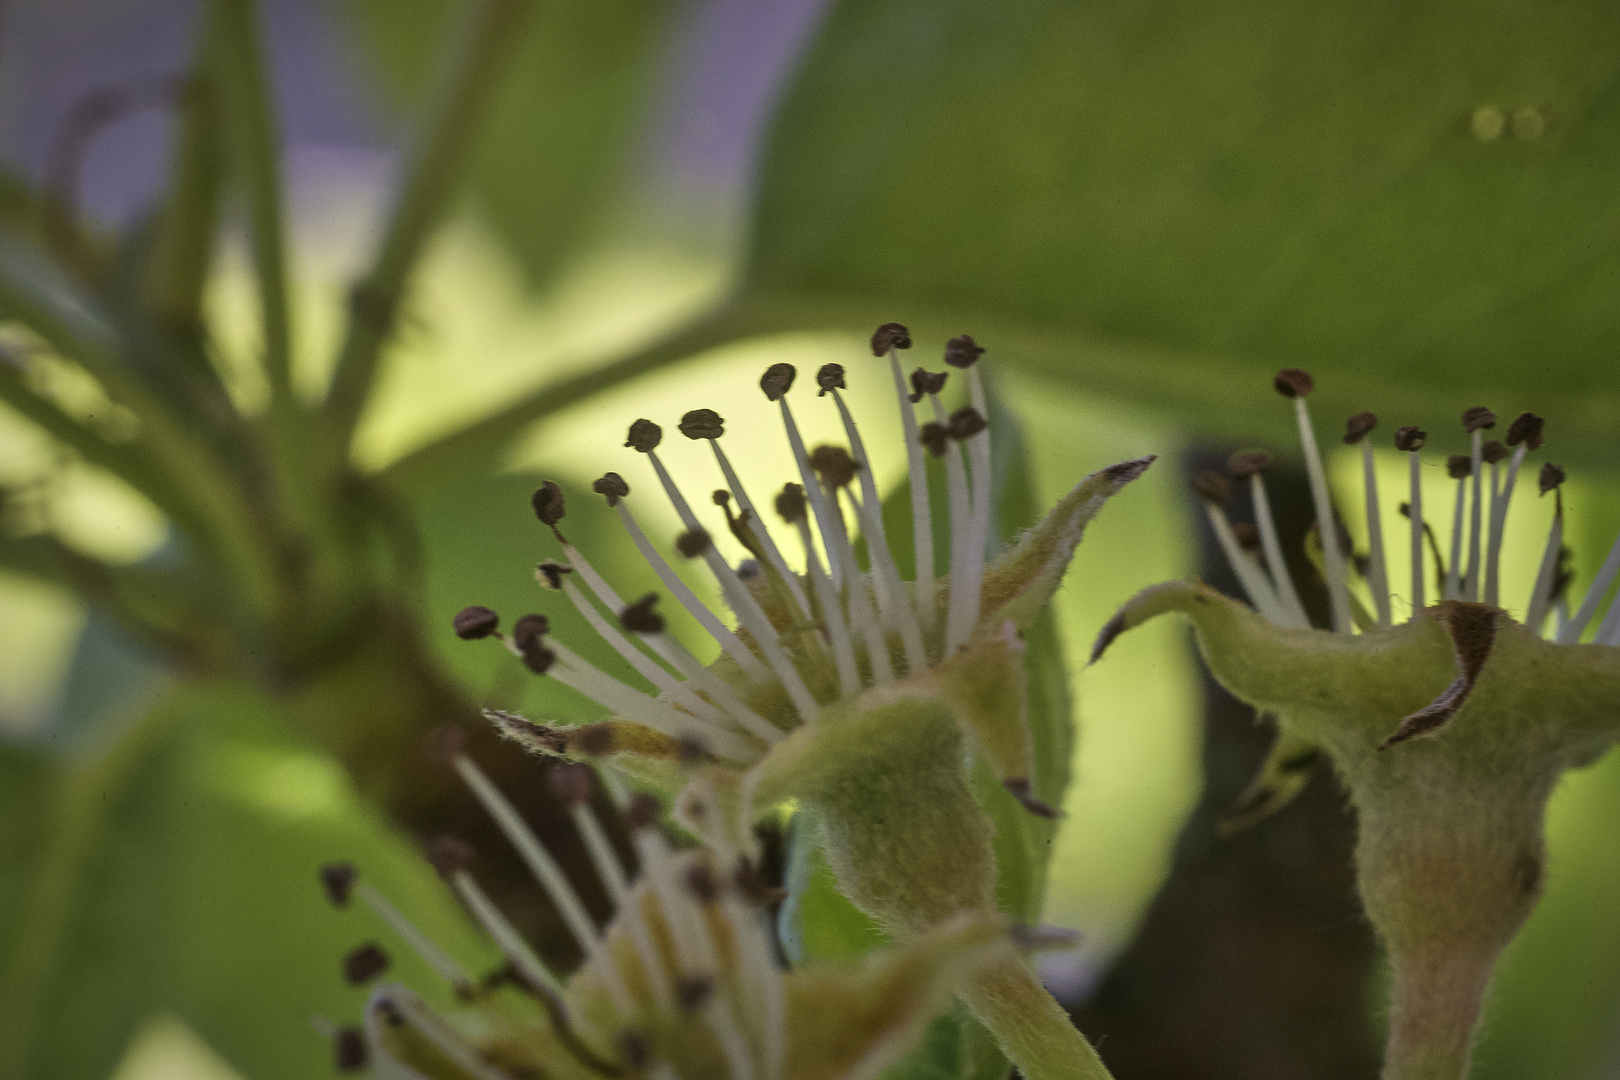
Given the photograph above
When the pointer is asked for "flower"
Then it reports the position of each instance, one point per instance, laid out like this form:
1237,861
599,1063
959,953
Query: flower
1449,729
682,984
855,692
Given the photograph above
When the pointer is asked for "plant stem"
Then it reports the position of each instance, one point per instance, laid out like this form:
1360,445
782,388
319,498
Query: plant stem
1033,1030
1434,1010
431,182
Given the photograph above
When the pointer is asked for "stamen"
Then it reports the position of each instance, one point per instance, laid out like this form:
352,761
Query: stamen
1524,435
1296,384
1377,571
1570,633
727,640
418,942
964,352
473,623
512,944
830,463
1476,422
1459,467
772,552
775,382
1214,489
961,610
790,504
392,999
1411,440
922,525
1251,464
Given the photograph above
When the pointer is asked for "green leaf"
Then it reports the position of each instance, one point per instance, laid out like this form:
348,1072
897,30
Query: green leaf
175,872
564,122
1168,201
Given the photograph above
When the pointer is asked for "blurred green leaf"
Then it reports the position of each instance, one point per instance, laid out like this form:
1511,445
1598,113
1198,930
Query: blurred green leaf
1168,201
176,872
566,119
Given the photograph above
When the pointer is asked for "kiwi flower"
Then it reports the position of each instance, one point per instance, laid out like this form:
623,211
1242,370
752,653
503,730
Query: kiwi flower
844,687
1449,729
682,984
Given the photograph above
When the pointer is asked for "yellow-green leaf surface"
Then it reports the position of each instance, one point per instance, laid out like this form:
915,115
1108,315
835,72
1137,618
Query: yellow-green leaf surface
1167,201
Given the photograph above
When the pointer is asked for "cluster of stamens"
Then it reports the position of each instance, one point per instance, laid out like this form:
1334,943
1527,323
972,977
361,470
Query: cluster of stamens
1486,478
811,638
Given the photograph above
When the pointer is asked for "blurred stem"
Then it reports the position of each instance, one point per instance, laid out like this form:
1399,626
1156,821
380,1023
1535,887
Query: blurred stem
233,45
480,442
1033,1030
441,162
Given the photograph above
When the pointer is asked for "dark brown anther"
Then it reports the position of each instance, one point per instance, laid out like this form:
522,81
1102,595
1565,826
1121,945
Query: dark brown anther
752,886
570,783
891,335
790,503
1492,452
338,881
529,630
834,465
1551,477
777,380
700,882
1212,486
924,381
1019,787
694,991
472,623
448,855
693,543
552,573
1247,536
1410,438
830,378
1356,428
644,436
721,497
961,352
966,422
702,424
640,618
364,964
596,740
1526,428
644,811
348,1050
1459,466
538,658
689,750
1246,463
1291,382
445,743
636,1053
613,486
548,503
935,438
1479,418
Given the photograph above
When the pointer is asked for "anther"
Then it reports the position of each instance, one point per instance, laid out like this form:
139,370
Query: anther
935,437
364,964
613,486
1492,452
1410,438
643,811
552,573
349,1050
830,377
640,618
1551,477
644,436
635,1050
1459,466
701,883
1356,428
1212,485
528,631
548,503
1246,463
694,991
790,503
1526,428
1247,536
693,543
702,424
961,352
891,335
967,422
449,855
1479,418
472,623
338,881
689,750
1293,383
834,465
721,498
777,380
926,382
570,784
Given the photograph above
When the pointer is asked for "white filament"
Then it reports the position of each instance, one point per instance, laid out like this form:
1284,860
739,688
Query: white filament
922,522
1541,595
1415,508
772,553
419,943
505,934
1377,572
1332,557
1475,513
1287,595
1571,633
